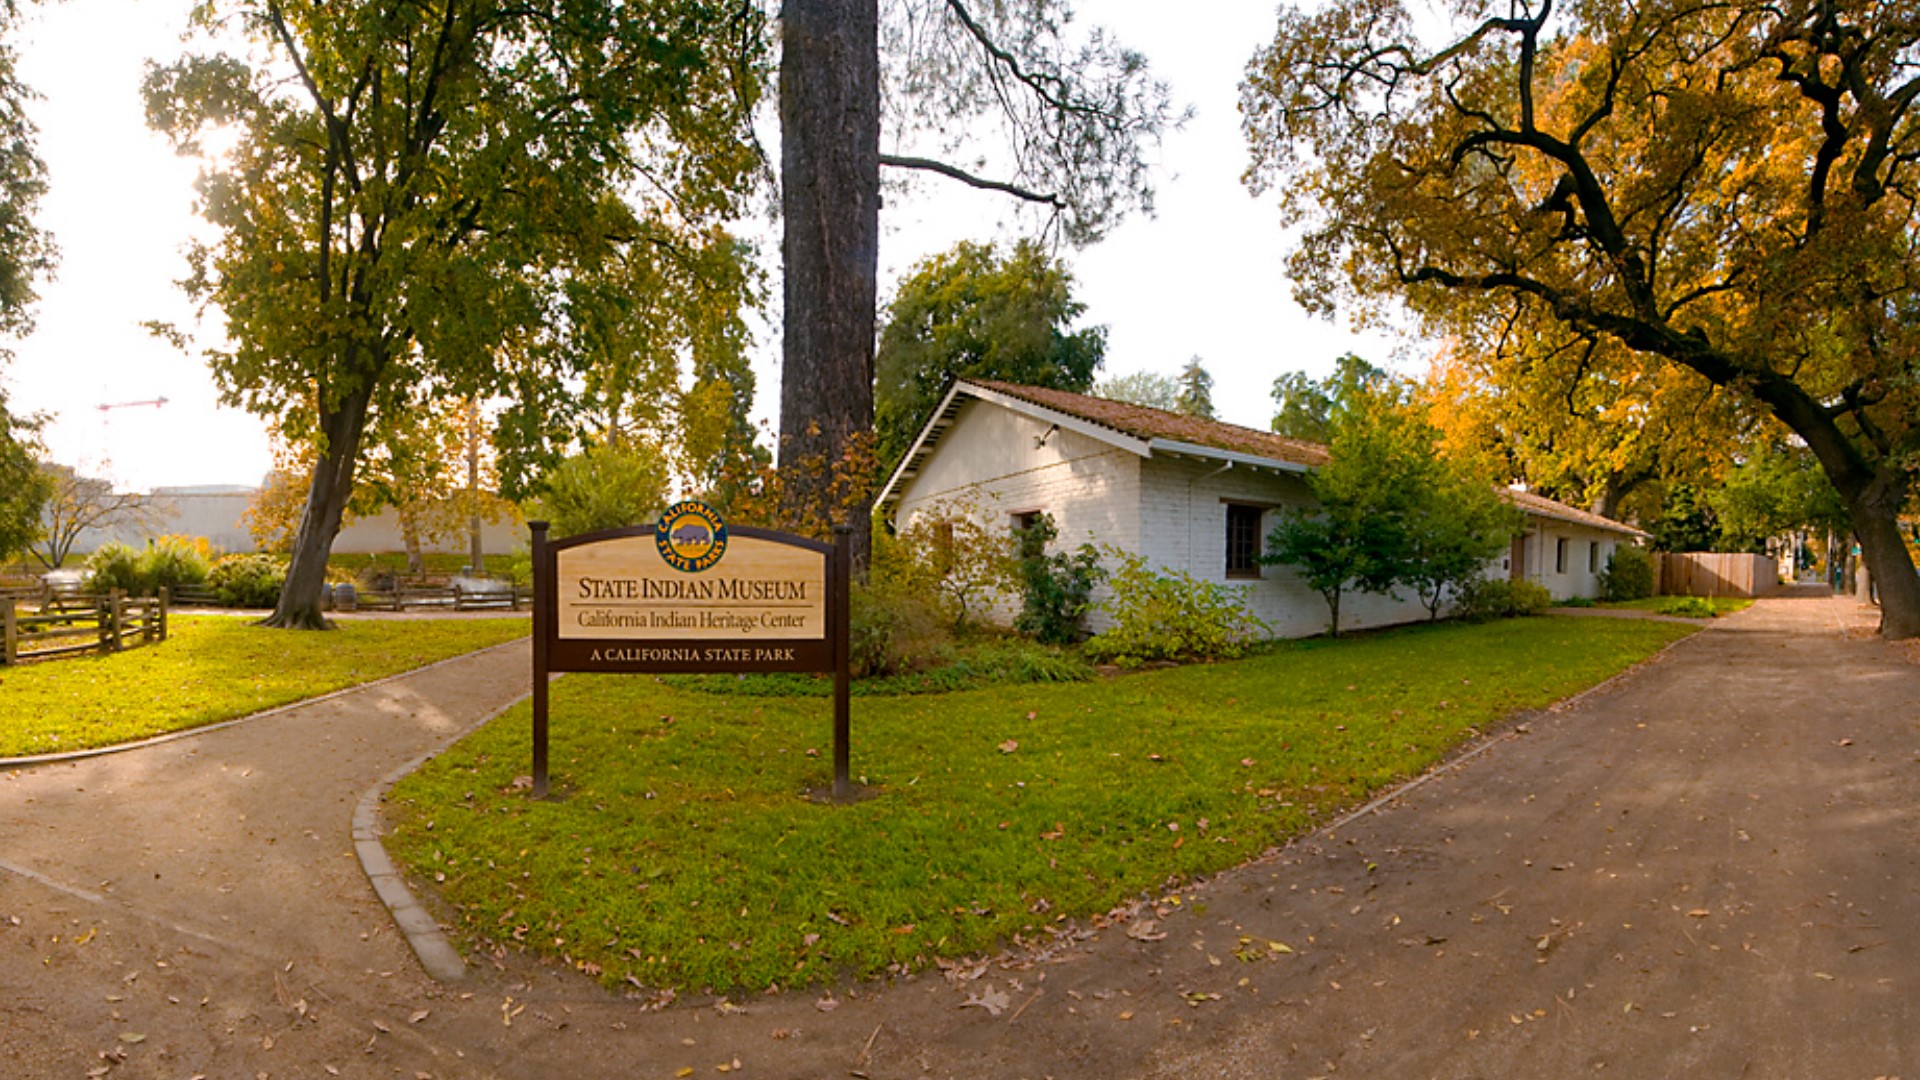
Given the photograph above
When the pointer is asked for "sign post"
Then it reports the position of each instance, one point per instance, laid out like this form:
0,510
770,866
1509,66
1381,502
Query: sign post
691,594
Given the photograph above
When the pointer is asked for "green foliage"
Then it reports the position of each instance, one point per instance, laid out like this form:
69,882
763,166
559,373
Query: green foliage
1304,408
895,630
972,312
24,485
947,554
1377,480
605,487
1690,607
1149,388
27,253
114,565
465,198
166,563
1629,574
1620,191
1686,522
1171,616
1501,598
1195,397
1089,778
1458,524
213,668
1775,492
1056,590
247,581
1394,508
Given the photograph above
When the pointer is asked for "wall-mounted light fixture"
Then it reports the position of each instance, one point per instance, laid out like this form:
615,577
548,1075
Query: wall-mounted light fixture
1041,440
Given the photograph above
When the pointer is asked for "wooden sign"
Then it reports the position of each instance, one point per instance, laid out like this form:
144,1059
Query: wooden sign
690,594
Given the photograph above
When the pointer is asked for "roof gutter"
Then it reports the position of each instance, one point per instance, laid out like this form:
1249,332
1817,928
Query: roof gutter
1231,457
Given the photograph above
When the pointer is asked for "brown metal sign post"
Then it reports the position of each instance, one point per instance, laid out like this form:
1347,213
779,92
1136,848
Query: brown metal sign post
691,594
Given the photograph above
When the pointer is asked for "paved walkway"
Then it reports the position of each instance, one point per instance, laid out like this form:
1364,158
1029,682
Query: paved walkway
1709,868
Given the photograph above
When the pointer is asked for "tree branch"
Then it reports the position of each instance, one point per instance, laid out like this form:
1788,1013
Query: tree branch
967,178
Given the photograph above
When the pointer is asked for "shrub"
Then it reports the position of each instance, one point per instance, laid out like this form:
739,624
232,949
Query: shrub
173,561
1628,576
247,581
1499,598
114,566
1691,607
1056,590
948,553
1171,617
169,562
894,631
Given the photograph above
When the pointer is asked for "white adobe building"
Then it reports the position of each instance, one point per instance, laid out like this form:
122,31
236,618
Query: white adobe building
1188,494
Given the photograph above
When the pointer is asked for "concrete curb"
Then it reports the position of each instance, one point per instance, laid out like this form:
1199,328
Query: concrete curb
430,944
189,733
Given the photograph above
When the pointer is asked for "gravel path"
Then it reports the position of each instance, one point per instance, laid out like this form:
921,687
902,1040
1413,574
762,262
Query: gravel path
1706,868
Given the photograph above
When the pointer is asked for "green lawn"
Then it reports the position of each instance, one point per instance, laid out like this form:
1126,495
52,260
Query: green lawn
214,668
682,853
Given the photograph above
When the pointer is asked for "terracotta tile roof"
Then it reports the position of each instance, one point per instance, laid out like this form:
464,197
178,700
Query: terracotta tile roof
1542,506
1146,423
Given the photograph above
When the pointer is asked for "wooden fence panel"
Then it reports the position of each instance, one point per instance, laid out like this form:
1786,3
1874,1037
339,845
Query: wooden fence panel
1701,573
108,624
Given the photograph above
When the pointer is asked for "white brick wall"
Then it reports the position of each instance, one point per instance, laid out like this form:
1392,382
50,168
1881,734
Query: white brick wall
1174,512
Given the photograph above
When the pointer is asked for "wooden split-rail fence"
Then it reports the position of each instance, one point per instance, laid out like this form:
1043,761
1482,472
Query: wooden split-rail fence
76,624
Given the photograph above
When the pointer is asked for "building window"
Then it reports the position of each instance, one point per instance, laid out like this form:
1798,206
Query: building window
1560,555
1593,556
1243,541
1026,519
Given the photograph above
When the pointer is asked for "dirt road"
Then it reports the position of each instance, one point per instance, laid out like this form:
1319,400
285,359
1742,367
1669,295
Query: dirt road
1710,868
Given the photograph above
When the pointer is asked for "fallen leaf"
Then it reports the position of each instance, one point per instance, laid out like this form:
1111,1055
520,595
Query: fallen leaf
1698,913
132,1037
827,1004
1145,930
417,1017
992,999
1009,746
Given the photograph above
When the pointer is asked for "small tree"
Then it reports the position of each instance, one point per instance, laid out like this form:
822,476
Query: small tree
605,487
1459,524
1057,588
1360,537
76,503
948,552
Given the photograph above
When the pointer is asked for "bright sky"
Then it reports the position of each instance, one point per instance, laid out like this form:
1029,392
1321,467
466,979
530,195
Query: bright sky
1202,278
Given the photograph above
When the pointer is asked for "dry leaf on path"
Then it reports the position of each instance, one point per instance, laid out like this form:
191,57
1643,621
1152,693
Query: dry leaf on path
1145,930
992,999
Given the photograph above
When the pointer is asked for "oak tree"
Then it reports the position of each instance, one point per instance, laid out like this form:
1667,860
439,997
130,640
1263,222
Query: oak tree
418,186
977,313
1726,187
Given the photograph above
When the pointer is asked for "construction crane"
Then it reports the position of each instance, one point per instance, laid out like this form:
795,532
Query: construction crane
106,408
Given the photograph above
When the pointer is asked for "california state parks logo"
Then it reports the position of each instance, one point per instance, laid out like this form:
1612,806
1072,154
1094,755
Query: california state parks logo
691,537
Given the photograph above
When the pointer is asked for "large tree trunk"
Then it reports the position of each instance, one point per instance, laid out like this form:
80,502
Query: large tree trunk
1876,521
299,607
830,203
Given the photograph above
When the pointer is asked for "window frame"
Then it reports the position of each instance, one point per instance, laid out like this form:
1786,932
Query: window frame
1248,546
